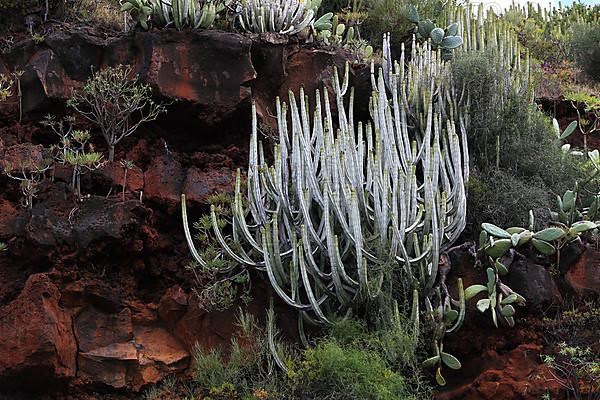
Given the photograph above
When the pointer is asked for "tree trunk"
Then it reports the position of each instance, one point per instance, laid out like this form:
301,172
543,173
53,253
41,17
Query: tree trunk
111,152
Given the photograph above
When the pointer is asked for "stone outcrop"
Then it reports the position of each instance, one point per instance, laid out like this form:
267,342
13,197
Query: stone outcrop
37,341
584,276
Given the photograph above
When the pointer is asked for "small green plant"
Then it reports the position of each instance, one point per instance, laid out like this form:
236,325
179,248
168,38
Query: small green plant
3,248
81,157
6,84
30,175
11,84
576,369
73,149
117,103
38,38
218,283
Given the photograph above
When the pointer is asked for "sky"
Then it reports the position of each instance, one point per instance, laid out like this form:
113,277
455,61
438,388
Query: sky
502,4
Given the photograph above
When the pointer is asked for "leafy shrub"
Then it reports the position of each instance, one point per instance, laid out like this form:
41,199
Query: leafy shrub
248,368
352,362
505,199
330,371
585,48
349,362
513,145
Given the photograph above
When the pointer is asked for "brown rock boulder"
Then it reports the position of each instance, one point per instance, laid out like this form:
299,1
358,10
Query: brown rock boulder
584,276
199,184
172,305
533,282
55,221
37,341
208,67
114,174
163,180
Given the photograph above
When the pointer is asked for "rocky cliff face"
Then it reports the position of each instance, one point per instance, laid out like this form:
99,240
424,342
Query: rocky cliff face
94,296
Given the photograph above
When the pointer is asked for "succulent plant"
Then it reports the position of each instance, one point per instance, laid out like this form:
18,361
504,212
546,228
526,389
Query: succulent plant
140,10
567,132
334,33
181,13
500,298
338,209
445,320
425,29
281,16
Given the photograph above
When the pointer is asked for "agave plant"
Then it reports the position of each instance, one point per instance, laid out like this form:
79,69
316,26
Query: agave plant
282,16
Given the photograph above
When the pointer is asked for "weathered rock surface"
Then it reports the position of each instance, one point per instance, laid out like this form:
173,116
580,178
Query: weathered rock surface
584,276
533,282
517,374
37,341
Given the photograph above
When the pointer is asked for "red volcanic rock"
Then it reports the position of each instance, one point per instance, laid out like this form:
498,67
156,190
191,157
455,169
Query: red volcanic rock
199,185
116,353
172,305
114,173
37,339
210,330
55,221
20,153
584,276
209,68
515,375
163,180
9,219
95,329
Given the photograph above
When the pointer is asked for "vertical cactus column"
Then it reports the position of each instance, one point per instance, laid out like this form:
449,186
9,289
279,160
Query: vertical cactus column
343,204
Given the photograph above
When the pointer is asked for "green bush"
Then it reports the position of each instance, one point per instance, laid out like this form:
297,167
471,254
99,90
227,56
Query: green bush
349,362
505,199
353,362
585,48
519,161
332,371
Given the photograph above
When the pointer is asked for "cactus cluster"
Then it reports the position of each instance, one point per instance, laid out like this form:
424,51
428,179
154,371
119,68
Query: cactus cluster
344,206
425,29
180,13
281,16
499,246
334,33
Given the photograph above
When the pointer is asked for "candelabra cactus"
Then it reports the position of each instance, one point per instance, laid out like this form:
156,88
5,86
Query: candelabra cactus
282,16
344,205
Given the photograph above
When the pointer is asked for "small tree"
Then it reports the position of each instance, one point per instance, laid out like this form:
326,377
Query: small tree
117,103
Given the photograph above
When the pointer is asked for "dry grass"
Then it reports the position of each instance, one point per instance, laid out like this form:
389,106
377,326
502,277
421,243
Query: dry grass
105,13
